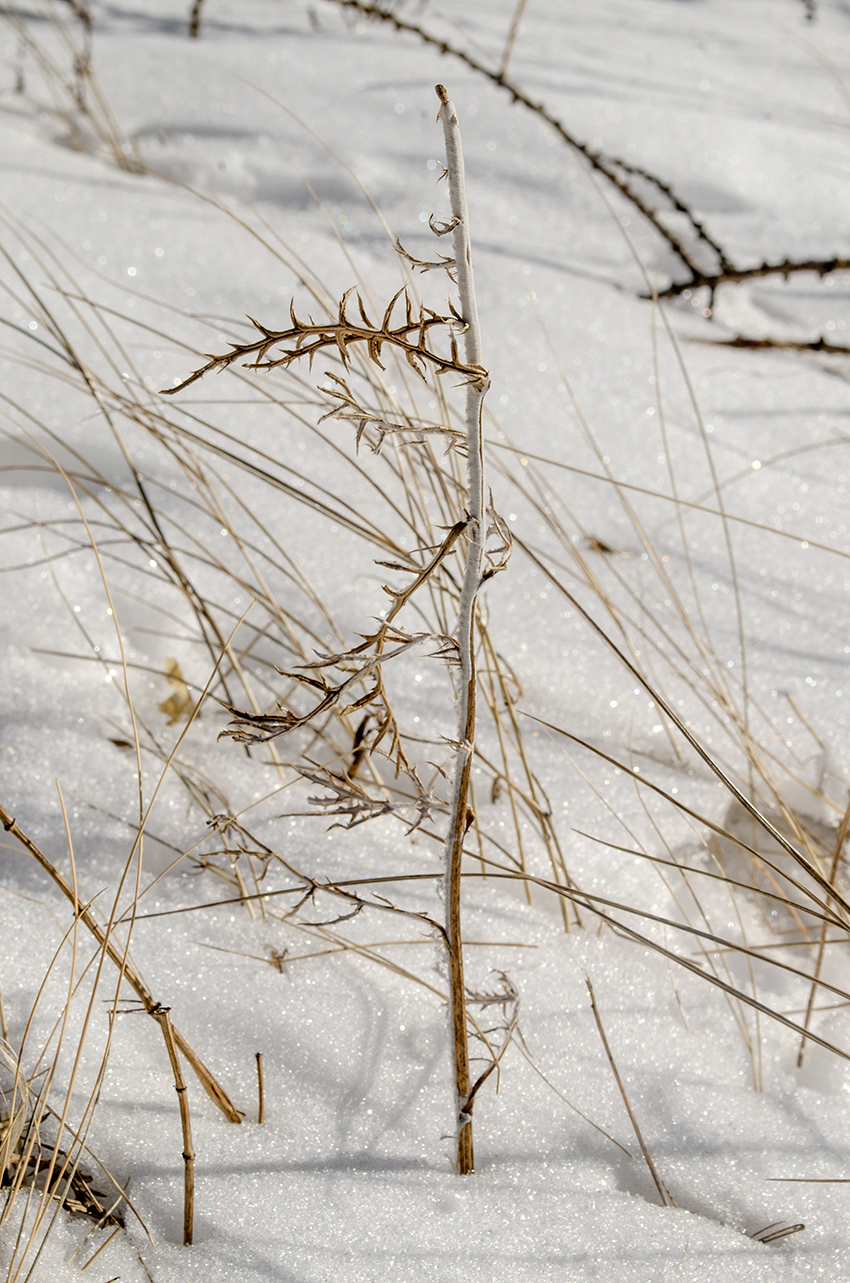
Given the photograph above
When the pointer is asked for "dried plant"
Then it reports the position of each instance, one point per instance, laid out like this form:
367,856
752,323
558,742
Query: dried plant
360,684
306,338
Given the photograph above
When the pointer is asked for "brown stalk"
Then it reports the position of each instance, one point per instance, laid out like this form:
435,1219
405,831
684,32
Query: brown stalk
473,577
161,1015
195,19
664,1194
261,1103
208,1081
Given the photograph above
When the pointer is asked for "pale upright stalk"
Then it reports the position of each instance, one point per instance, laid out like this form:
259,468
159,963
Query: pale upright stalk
475,534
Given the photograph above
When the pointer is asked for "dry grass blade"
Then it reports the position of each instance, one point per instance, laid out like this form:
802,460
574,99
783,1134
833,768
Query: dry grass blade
840,840
664,1194
710,761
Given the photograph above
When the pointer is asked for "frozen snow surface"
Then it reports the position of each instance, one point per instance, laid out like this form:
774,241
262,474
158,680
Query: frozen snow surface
268,159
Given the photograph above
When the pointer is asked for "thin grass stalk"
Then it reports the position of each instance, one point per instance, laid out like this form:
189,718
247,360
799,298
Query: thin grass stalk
516,21
472,579
161,1015
664,1194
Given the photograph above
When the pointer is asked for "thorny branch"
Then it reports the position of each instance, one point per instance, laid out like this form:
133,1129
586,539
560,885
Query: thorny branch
616,171
731,275
794,345
625,177
306,338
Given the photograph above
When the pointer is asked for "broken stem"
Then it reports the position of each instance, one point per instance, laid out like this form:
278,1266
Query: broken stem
161,1014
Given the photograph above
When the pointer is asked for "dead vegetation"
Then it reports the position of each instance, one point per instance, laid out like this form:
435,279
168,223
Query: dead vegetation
356,756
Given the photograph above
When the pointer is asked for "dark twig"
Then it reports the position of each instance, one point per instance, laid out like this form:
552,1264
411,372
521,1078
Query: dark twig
731,275
619,173
794,345
610,166
261,1103
195,19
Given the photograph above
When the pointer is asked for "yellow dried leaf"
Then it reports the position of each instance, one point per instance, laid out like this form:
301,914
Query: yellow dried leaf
180,703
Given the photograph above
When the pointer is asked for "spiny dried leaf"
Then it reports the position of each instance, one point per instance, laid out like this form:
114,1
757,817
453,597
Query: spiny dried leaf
427,265
308,338
442,229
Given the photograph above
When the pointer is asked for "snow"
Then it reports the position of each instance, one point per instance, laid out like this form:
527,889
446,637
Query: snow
266,143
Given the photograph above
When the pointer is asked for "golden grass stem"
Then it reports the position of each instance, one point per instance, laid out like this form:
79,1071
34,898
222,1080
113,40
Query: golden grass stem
664,1194
161,1014
104,1244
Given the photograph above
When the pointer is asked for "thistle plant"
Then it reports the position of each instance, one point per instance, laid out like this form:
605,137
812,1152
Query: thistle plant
351,681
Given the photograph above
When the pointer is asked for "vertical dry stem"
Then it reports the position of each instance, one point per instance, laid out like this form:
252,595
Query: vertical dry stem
261,1102
162,1015
475,534
195,19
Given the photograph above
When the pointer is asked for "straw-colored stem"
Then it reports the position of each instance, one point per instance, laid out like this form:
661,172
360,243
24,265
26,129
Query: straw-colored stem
664,1194
822,943
162,1016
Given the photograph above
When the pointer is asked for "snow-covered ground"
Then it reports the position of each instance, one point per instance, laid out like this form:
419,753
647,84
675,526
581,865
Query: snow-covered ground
278,156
